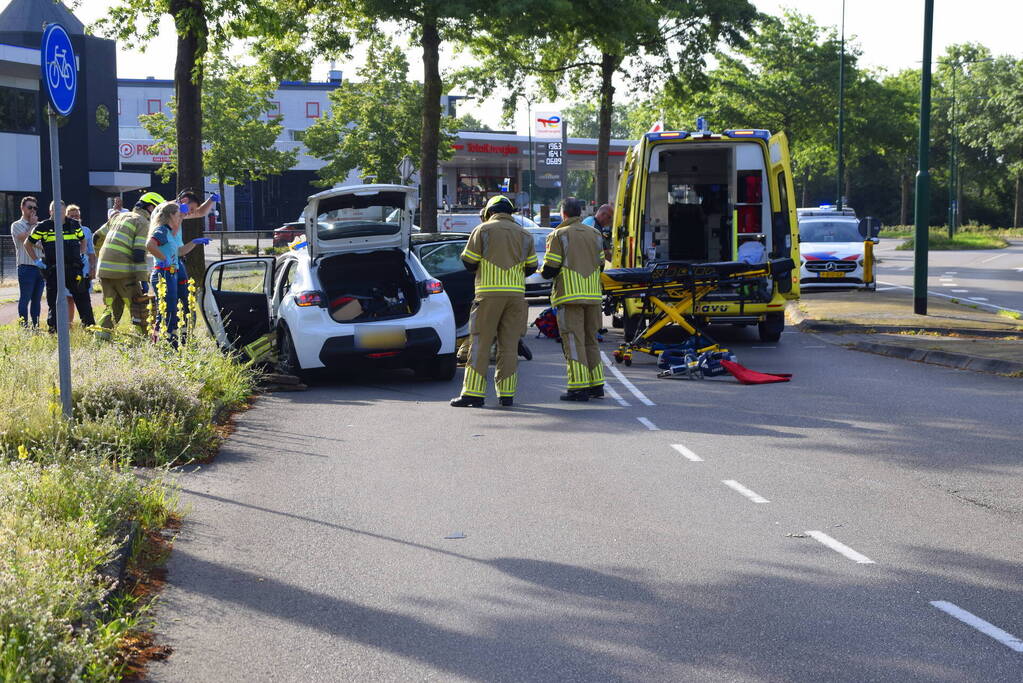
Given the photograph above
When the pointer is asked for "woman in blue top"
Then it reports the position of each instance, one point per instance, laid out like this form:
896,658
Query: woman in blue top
166,246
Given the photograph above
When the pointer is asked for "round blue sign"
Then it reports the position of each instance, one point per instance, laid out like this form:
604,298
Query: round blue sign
60,69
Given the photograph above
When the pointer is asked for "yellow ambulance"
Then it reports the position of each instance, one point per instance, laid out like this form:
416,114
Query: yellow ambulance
702,197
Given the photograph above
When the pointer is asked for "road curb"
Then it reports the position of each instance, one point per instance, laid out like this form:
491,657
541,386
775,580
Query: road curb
962,361
804,324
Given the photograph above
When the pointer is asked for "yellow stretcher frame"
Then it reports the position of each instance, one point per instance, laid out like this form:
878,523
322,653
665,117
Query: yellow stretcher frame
672,300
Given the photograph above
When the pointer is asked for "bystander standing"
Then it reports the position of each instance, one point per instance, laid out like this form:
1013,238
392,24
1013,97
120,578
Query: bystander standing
30,277
74,212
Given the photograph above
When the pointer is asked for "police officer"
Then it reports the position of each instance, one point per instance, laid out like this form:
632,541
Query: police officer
45,233
575,255
502,254
122,261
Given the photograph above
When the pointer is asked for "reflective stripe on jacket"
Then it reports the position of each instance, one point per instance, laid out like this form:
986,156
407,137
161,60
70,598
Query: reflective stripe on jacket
124,236
578,251
503,249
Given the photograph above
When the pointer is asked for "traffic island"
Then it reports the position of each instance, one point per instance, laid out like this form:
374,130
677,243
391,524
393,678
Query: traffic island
884,323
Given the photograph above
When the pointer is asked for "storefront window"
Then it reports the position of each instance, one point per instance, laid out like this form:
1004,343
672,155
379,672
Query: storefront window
19,111
476,186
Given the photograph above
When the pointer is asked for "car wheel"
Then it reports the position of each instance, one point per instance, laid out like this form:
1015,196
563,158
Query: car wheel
771,328
440,368
287,357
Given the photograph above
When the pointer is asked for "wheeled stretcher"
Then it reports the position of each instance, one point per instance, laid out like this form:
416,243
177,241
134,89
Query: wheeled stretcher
670,291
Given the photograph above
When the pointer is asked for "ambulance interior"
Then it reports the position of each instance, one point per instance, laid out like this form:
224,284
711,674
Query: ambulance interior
701,197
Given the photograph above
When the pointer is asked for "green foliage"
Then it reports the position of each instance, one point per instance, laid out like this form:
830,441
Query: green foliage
60,520
238,135
142,403
375,122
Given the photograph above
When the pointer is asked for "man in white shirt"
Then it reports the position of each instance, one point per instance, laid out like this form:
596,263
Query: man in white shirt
30,278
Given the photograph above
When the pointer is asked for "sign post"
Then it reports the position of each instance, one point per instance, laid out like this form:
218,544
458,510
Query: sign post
60,77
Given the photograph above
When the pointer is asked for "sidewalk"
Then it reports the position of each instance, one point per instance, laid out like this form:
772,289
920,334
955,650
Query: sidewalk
951,334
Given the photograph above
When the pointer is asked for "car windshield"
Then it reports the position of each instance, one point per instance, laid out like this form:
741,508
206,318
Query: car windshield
830,231
361,216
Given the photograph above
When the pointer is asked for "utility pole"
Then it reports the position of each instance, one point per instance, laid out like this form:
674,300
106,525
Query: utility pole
923,179
841,112
952,208
564,159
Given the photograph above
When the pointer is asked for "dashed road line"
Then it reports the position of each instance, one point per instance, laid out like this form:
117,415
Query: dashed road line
960,291
988,260
752,495
977,298
686,453
987,628
838,547
613,393
946,296
648,424
625,381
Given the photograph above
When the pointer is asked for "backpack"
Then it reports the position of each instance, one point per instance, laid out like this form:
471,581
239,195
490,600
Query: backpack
546,324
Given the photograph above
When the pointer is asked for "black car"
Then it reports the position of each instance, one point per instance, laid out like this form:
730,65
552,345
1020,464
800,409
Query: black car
440,254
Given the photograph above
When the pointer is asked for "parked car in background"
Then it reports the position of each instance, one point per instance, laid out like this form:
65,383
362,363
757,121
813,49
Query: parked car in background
536,284
441,256
354,295
287,232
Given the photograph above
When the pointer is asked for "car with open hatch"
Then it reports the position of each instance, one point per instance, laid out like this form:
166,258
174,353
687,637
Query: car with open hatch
354,293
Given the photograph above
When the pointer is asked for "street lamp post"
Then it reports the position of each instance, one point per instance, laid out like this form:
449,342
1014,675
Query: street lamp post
923,180
841,112
953,149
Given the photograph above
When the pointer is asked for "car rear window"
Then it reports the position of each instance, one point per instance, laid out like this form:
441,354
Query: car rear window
347,216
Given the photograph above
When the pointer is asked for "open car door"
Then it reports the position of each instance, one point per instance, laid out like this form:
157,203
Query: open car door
443,260
784,224
236,301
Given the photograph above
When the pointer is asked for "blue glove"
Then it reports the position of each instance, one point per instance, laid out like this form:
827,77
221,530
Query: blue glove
40,263
215,197
183,207
162,263
201,240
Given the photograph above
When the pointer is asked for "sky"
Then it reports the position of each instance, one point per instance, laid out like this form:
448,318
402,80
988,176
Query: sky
889,32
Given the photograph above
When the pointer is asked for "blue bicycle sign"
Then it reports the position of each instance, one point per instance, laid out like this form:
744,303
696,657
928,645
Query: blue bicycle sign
60,72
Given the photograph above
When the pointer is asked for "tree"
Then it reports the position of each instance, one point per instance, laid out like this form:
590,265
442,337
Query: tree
239,133
470,122
584,119
646,41
280,30
374,123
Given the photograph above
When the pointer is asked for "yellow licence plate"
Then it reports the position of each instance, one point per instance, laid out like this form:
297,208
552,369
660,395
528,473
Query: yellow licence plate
380,337
831,274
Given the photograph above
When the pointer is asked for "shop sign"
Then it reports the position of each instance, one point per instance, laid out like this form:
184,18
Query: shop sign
484,148
143,153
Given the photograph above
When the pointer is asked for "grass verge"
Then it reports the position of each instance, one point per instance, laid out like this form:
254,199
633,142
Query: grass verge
938,241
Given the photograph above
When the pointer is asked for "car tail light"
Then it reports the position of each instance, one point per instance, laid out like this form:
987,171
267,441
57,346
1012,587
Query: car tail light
431,286
309,299
383,354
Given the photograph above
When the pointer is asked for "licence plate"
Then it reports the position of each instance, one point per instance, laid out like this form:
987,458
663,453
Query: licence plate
832,274
380,337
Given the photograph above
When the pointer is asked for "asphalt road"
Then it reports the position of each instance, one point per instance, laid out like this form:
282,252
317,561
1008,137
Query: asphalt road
989,278
692,531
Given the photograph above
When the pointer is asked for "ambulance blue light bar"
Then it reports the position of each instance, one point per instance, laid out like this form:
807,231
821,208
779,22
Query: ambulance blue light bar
749,133
668,135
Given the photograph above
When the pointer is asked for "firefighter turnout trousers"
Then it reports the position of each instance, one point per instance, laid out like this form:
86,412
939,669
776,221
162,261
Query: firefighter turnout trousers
118,291
578,325
495,317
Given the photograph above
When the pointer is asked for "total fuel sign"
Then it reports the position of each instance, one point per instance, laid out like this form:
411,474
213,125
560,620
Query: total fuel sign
547,124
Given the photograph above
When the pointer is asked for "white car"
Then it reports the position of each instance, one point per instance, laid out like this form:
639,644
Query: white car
536,284
831,250
354,295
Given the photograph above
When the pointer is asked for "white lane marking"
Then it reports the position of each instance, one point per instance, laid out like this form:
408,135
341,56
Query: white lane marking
987,628
1019,270
905,267
946,296
951,272
840,547
883,289
977,298
988,260
615,395
949,284
688,454
752,495
648,424
625,380
960,291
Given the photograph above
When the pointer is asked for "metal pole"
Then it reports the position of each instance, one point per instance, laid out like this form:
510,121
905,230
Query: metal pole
841,112
564,159
532,169
923,180
951,160
63,333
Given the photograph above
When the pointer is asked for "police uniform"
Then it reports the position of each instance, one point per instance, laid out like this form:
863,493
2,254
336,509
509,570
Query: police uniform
575,254
122,263
502,254
45,233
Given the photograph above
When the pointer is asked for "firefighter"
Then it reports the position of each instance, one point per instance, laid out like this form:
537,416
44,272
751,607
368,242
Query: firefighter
575,256
501,253
122,263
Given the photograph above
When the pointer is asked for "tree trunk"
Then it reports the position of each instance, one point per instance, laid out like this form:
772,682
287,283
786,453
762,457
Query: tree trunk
223,203
431,126
190,21
1017,212
906,182
608,66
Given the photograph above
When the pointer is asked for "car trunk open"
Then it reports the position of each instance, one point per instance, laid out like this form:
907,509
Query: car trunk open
366,287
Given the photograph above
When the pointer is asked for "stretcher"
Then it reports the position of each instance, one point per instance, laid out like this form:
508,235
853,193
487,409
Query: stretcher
670,291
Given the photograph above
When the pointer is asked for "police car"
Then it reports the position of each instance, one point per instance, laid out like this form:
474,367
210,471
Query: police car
832,249
353,294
